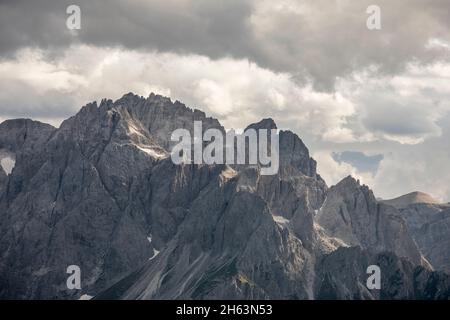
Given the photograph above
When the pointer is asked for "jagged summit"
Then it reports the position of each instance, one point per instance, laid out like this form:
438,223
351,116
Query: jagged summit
348,182
411,198
267,123
350,186
132,99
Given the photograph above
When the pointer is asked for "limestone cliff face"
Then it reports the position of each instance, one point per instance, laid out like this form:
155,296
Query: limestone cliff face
101,192
429,224
400,279
351,213
92,193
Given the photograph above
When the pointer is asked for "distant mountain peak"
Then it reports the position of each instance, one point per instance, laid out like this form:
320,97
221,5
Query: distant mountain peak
349,180
350,185
415,197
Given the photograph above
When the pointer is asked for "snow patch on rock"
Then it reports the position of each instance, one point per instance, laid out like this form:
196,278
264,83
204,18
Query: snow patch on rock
280,220
152,152
155,253
7,162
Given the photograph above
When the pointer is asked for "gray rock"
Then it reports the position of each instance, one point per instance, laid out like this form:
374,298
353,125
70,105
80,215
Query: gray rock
342,274
101,192
429,224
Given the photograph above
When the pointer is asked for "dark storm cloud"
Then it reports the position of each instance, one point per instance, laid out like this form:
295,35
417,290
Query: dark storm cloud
213,28
319,39
32,23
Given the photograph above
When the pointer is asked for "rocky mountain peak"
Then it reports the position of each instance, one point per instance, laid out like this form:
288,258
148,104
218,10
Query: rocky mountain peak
267,123
295,154
350,183
349,187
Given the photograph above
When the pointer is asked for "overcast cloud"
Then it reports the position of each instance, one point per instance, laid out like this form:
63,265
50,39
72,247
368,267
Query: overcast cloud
313,66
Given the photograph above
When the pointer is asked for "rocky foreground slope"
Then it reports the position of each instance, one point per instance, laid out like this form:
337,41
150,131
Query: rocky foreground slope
101,192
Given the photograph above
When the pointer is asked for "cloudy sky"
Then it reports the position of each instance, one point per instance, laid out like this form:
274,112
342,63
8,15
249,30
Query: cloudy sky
371,103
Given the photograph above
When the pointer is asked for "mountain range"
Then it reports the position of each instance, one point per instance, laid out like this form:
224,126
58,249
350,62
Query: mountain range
102,193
